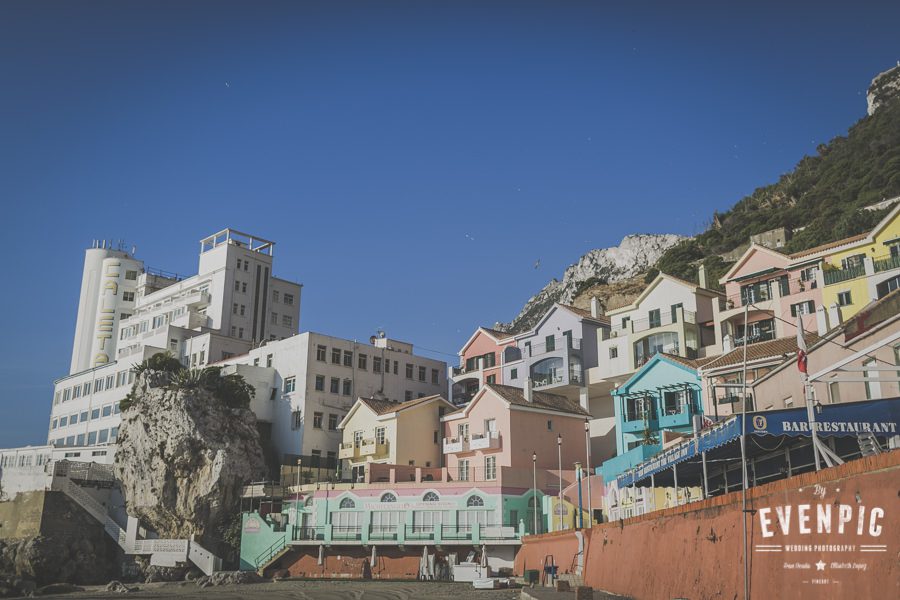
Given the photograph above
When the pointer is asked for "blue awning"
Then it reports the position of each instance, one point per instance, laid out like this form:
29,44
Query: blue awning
879,417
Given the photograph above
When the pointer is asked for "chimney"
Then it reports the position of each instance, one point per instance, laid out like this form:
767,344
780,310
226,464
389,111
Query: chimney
596,307
701,276
528,390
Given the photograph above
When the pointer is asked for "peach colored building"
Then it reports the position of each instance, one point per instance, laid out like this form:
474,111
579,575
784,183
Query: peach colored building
847,365
503,427
480,362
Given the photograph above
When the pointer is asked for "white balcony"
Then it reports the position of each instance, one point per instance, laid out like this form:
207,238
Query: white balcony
455,445
488,440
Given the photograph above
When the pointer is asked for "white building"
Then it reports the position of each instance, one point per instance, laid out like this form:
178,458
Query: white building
306,384
127,313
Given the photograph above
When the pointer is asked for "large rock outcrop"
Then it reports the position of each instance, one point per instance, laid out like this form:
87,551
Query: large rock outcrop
183,455
635,255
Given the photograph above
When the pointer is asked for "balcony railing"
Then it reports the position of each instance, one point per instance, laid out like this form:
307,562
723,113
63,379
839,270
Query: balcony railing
666,318
833,276
366,447
487,440
559,343
888,263
753,338
383,532
545,379
346,532
452,445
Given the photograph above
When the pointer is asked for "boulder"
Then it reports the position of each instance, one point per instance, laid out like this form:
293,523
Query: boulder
183,456
119,587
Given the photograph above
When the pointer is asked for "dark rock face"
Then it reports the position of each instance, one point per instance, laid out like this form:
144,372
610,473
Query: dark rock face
183,456
87,559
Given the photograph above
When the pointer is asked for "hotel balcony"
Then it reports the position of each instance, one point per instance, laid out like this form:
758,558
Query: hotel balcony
366,448
834,276
887,263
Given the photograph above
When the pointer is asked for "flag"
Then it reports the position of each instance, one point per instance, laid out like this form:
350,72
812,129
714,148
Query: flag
801,346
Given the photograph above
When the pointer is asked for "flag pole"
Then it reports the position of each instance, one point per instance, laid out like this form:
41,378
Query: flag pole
744,451
807,389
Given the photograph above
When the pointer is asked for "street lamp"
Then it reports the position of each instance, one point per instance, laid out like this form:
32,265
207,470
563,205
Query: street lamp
587,442
534,490
580,504
559,455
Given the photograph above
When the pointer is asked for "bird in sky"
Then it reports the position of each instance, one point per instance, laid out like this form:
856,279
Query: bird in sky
537,263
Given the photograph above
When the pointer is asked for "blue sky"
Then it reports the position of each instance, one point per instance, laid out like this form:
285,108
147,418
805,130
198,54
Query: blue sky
412,160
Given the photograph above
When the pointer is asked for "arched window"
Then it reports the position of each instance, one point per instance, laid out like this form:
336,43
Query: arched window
388,497
430,497
348,503
532,502
475,501
309,501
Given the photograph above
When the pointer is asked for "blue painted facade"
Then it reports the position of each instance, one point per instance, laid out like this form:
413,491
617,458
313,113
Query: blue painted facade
664,394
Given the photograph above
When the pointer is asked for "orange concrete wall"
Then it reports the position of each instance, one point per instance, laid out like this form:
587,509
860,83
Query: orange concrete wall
695,551
562,547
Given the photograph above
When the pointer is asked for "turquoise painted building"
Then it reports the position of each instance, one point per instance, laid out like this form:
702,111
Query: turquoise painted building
663,395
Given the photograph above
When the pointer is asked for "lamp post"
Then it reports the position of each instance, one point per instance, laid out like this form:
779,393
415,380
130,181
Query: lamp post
580,504
587,442
534,491
559,455
299,464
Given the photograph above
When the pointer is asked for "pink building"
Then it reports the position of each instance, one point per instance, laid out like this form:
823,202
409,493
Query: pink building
496,435
480,362
778,288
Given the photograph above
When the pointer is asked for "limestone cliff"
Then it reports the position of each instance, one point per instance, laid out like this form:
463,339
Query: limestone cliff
183,454
885,88
634,256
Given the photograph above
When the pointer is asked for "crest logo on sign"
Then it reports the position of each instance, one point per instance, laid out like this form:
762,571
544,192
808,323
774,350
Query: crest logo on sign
759,422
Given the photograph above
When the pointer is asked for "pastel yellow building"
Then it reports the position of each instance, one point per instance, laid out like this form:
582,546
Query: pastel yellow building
859,269
381,431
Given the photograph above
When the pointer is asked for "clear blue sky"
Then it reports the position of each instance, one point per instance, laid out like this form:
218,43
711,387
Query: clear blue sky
412,160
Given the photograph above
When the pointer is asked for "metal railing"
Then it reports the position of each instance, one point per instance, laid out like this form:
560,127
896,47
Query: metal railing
833,276
665,318
346,532
456,532
560,342
266,555
887,263
383,532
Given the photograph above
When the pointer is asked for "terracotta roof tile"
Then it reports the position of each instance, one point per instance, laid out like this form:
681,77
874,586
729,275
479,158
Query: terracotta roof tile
586,314
835,244
693,363
383,407
500,335
544,400
760,351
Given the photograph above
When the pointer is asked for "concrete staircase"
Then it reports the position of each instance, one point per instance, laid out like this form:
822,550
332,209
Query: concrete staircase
162,552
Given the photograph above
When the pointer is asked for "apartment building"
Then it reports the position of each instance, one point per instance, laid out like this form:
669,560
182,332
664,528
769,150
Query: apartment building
480,361
128,312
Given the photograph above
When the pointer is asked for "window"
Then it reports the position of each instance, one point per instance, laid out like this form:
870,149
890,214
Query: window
76,392
491,379
475,501
274,319
549,425
332,422
335,356
109,382
803,308
91,438
296,419
675,309
238,264
246,265
98,385
852,261
463,430
317,420
422,372
463,474
84,416
275,295
113,434
614,352
550,343
243,309
347,503
53,425
234,308
95,414
233,331
289,299
387,364
490,468
290,383
435,436
107,410
674,402
514,373
237,285
844,299
379,435
357,439
131,275
103,436
335,385
431,497
287,321
241,332
116,409
625,321
361,361
347,388
407,396
320,353
654,317
388,497
435,376
128,296
268,360
348,358
320,383
256,362
409,371
756,292
376,364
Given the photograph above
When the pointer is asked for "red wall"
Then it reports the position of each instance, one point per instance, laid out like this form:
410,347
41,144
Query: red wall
695,551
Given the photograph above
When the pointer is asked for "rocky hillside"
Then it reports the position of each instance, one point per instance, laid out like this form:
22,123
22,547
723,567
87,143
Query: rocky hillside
885,88
596,270
187,444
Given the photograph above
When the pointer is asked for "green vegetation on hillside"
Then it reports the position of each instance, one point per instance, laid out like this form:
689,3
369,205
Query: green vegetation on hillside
824,194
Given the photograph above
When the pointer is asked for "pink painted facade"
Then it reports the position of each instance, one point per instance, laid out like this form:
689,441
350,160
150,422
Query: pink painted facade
509,433
480,362
776,286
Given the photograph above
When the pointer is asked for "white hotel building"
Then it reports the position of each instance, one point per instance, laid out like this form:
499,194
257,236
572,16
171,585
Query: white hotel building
234,313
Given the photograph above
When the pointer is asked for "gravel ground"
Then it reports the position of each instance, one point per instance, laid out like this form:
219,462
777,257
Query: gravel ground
307,590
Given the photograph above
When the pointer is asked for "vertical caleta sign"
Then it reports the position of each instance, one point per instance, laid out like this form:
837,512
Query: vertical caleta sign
838,539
